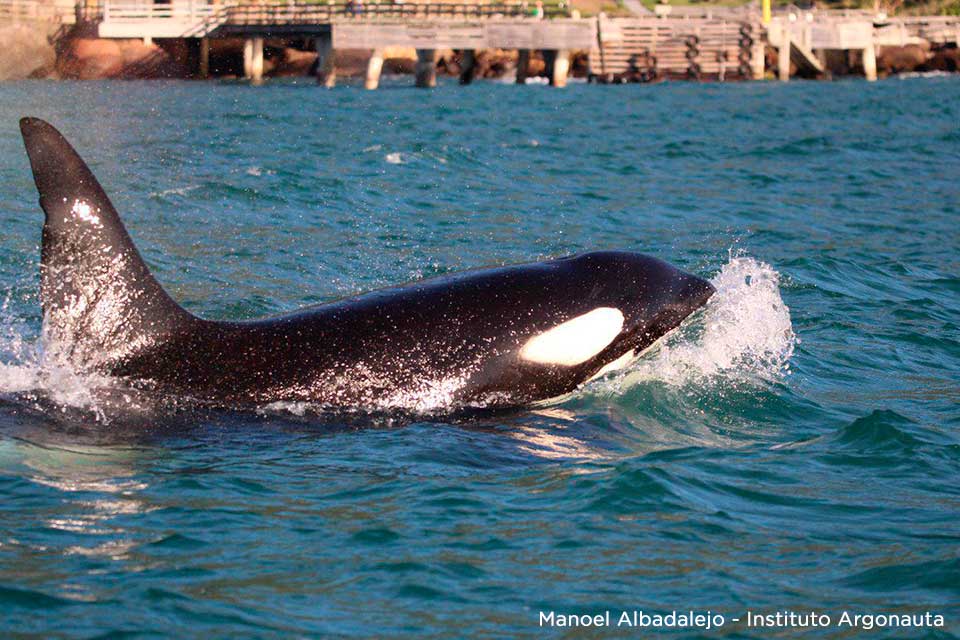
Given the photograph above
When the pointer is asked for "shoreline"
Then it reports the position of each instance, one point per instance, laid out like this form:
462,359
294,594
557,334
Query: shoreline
131,59
235,44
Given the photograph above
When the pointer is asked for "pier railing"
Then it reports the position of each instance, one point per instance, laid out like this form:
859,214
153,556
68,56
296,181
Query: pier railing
298,12
309,13
29,11
121,11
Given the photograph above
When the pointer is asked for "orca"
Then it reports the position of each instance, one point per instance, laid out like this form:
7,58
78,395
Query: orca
498,337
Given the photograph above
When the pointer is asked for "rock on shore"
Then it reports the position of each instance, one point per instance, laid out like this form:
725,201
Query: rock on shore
910,57
92,58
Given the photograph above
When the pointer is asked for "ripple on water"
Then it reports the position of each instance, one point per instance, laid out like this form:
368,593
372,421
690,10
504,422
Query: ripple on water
794,445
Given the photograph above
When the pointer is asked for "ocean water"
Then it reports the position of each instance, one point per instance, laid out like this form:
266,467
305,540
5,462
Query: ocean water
795,446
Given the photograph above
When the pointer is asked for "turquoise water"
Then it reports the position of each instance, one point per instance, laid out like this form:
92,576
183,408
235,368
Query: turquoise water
794,447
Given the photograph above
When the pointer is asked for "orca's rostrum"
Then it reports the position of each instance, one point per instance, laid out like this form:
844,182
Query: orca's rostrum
497,337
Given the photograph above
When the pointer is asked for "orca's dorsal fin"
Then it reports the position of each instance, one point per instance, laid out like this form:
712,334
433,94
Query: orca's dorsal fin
101,305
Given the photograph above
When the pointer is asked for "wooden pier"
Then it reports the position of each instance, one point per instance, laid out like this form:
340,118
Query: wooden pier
710,43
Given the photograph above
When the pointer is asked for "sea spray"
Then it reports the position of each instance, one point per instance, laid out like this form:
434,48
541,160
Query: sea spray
36,368
743,335
19,371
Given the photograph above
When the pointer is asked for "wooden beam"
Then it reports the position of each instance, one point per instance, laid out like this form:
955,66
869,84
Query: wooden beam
467,34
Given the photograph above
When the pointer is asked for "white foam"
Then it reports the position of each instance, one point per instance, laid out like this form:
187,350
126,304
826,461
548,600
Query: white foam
292,407
744,333
19,371
27,368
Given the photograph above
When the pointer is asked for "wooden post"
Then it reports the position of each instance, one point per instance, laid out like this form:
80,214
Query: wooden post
561,67
468,65
523,65
549,58
601,48
870,63
248,58
374,68
783,54
426,68
326,71
757,62
256,76
204,58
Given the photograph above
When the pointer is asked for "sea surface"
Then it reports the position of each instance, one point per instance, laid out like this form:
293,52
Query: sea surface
795,447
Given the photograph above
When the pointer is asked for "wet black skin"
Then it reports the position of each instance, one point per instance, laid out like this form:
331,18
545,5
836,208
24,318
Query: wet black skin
456,338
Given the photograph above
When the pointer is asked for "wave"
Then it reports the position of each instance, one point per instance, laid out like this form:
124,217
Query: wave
743,335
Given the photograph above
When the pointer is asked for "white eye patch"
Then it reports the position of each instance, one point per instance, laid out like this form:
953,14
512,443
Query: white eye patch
576,340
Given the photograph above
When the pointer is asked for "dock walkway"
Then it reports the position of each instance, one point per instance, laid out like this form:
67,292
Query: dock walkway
693,43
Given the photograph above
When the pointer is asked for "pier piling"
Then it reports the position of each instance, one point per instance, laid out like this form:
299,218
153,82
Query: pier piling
374,68
468,65
523,65
256,76
326,71
560,68
426,69
870,63
783,55
204,58
248,58
757,62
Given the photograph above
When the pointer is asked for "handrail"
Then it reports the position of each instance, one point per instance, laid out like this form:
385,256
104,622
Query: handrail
297,12
60,11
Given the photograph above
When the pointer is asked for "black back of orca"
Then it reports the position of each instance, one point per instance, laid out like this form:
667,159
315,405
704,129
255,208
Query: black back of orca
495,337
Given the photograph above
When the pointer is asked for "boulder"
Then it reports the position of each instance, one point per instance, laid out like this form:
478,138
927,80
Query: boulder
351,63
97,58
148,61
399,60
226,57
580,64
90,58
288,61
899,59
495,63
944,60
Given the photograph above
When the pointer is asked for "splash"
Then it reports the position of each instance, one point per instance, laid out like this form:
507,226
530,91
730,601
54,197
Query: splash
26,369
744,334
19,371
